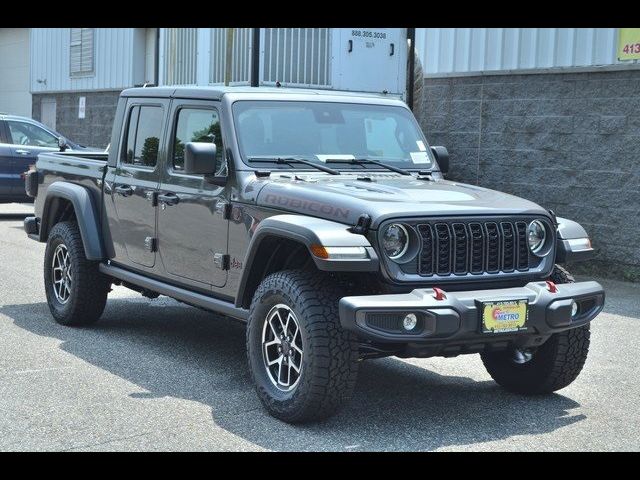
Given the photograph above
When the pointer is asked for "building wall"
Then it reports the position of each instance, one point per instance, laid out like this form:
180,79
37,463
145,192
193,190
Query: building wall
14,71
95,129
447,51
356,59
120,61
117,60
568,141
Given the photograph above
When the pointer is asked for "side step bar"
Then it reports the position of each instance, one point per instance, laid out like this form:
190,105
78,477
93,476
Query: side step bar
187,296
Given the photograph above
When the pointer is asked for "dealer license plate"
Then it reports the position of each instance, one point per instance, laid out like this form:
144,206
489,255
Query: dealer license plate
504,316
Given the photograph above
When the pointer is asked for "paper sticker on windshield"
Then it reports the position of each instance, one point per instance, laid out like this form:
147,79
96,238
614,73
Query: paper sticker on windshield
337,156
421,146
420,157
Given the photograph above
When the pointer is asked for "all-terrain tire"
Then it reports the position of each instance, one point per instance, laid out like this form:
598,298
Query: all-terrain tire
330,354
554,365
88,290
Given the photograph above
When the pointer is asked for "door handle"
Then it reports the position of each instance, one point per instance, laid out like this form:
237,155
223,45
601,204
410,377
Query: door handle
124,190
350,49
21,151
392,50
168,198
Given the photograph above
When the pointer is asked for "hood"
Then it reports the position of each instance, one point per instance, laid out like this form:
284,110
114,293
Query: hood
344,198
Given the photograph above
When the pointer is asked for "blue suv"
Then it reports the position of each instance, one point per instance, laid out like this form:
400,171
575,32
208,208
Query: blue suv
21,140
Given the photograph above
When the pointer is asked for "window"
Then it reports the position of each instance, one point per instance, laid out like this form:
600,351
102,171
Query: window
81,51
143,136
27,134
320,131
196,125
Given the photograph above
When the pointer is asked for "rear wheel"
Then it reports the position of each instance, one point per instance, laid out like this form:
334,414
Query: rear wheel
76,290
548,368
304,365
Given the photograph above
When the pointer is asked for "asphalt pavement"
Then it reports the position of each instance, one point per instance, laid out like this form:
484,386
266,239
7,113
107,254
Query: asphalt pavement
158,375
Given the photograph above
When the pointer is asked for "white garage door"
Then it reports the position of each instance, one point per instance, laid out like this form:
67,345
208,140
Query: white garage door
14,71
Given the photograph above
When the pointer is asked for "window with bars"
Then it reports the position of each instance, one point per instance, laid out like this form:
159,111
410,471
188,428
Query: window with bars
81,51
180,56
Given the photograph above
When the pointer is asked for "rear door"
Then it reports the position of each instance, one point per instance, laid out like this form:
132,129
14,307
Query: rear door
6,163
192,227
133,186
27,141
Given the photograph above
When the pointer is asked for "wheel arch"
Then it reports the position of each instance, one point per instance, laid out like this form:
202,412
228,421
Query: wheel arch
284,241
64,201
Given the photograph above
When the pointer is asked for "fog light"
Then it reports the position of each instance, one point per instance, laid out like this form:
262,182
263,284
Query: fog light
410,321
574,309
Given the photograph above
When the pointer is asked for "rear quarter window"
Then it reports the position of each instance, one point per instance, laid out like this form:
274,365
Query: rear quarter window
144,128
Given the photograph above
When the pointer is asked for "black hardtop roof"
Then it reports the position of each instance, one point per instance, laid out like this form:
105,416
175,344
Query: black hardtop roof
217,92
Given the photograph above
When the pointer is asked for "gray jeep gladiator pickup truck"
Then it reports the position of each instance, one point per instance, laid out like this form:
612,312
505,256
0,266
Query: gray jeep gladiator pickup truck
323,221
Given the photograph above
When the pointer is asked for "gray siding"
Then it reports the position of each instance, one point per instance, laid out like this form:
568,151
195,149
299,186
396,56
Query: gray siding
447,51
566,141
50,60
14,71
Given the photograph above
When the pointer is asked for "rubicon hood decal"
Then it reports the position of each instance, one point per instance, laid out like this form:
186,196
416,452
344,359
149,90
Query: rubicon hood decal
345,199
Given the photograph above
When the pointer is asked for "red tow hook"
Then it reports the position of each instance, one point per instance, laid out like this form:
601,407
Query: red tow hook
551,286
438,294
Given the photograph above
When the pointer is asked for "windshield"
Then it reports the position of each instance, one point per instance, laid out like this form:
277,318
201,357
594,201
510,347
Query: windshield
330,133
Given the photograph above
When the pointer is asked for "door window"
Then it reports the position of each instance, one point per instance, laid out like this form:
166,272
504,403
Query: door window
196,125
143,136
27,134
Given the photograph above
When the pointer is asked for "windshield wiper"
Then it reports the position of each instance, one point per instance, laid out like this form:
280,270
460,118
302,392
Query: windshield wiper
361,161
289,160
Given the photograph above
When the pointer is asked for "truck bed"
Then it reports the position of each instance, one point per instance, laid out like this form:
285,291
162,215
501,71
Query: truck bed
83,168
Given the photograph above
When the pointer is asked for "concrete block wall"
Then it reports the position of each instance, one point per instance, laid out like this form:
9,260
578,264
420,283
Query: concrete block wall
568,141
95,129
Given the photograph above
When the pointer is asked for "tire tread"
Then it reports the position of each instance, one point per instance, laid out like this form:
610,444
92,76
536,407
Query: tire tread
334,351
89,296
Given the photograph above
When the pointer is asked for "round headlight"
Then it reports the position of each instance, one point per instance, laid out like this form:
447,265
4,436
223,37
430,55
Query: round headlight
395,241
537,235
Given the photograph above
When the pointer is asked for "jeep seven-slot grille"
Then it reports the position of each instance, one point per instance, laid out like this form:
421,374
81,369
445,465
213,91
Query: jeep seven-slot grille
473,247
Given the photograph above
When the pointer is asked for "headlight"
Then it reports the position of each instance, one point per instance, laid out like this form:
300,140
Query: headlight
537,235
395,241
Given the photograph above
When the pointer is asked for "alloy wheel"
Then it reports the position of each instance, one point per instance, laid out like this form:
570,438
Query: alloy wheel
282,348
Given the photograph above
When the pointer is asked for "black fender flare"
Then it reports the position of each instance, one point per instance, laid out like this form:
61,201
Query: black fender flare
309,231
86,215
573,242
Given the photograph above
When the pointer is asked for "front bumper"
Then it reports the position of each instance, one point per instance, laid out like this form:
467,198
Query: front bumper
452,325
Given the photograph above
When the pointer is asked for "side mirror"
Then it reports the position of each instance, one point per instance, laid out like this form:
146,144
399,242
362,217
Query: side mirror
442,157
62,144
200,159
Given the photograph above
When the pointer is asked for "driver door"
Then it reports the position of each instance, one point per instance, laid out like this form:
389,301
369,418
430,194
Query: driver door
193,227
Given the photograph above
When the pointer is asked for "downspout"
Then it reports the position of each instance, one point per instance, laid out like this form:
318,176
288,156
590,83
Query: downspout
255,58
411,38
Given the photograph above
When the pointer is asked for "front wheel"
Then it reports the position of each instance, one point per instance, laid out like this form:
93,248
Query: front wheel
304,365
550,367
